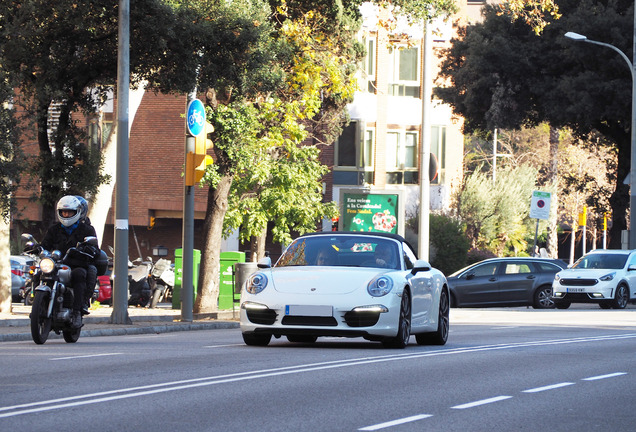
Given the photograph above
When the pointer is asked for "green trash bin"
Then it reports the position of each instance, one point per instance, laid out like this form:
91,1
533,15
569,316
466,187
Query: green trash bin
178,275
226,285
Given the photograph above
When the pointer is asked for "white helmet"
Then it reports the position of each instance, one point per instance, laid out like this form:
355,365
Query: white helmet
70,203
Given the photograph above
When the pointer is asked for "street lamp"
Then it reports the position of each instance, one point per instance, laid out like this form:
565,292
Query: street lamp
632,172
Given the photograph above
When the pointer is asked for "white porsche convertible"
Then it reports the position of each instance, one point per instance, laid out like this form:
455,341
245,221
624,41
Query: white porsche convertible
351,284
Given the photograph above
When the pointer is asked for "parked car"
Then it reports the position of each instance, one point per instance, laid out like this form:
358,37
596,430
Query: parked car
359,284
505,282
20,265
606,277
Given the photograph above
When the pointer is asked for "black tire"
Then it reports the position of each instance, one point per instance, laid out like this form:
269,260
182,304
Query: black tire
562,305
71,336
621,298
440,336
302,338
28,300
156,295
257,339
40,324
401,340
543,298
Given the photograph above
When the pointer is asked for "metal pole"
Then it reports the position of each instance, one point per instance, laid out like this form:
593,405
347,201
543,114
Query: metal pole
119,314
187,285
632,175
425,150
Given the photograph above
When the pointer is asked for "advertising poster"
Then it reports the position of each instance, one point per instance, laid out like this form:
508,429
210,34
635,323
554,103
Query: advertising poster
370,212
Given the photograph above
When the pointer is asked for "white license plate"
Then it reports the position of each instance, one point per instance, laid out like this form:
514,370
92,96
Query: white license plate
308,310
576,290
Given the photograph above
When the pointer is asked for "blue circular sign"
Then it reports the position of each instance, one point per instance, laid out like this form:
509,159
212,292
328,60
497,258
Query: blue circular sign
195,117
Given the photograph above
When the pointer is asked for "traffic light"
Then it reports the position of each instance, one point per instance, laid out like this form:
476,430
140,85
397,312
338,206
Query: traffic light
197,162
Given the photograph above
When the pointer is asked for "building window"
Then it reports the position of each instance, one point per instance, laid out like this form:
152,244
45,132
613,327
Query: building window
354,150
369,65
404,78
346,147
401,157
438,148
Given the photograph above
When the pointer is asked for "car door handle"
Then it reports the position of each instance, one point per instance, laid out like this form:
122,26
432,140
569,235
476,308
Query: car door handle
530,277
493,279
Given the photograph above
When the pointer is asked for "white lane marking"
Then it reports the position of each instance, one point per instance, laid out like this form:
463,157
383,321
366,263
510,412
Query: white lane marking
612,375
481,402
205,381
222,346
548,387
396,422
87,356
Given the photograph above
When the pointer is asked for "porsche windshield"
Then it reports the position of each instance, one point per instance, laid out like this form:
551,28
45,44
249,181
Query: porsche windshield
601,261
341,250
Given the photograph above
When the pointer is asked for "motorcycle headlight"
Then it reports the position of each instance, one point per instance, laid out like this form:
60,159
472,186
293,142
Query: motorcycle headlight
47,265
608,277
380,286
256,283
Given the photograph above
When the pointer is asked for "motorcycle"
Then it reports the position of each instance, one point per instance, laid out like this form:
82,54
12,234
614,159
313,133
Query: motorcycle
139,290
53,295
161,282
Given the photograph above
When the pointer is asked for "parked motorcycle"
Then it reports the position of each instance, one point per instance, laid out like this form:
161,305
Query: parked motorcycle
139,291
161,281
53,299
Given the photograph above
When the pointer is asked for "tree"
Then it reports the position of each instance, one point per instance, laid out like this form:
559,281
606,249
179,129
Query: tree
502,74
63,54
11,165
496,216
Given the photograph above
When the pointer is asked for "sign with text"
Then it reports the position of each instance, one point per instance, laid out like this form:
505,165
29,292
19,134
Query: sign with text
540,205
370,212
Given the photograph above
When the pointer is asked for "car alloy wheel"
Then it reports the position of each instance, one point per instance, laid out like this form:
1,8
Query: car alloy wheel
621,297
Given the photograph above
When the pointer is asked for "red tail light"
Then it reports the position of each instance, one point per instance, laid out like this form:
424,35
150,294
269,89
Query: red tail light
17,272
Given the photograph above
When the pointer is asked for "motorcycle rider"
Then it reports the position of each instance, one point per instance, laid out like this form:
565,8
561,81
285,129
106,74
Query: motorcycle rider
65,234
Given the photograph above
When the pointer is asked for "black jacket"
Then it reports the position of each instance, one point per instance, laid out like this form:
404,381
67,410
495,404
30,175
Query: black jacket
57,238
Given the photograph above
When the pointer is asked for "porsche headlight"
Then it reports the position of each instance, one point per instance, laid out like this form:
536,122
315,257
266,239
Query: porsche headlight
608,277
47,265
380,286
256,283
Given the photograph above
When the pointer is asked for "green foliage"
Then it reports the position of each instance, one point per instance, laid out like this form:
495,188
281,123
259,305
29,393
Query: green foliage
502,74
11,157
496,216
449,242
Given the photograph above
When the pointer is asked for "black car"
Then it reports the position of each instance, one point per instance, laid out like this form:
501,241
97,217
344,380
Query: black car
505,282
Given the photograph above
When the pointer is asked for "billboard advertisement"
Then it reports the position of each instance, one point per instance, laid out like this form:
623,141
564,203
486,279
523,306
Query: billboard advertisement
370,212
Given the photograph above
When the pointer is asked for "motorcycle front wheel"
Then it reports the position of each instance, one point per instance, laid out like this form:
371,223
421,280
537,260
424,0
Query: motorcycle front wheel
71,336
40,324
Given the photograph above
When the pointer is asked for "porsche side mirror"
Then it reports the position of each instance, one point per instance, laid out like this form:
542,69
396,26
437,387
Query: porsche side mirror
264,263
421,265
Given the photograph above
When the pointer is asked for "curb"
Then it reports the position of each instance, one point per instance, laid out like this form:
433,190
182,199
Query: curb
130,330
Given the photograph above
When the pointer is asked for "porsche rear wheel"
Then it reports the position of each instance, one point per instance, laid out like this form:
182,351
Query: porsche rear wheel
404,325
440,336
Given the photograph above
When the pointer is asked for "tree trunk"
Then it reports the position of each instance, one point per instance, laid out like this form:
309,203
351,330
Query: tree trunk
257,246
5,267
619,201
552,181
207,300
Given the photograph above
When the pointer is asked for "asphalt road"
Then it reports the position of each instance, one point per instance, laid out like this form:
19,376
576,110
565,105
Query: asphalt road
503,370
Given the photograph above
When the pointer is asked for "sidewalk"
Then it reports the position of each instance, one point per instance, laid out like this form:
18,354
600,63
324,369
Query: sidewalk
15,326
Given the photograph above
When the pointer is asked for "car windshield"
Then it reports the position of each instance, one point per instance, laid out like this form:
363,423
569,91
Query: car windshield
341,250
601,261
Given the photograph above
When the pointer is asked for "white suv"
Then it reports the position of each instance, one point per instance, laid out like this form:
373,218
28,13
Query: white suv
606,277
